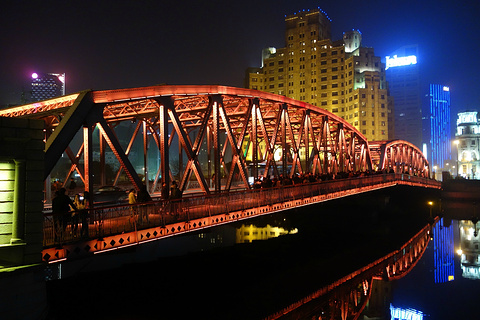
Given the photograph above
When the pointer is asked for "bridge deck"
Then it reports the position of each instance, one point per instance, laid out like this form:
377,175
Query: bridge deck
114,227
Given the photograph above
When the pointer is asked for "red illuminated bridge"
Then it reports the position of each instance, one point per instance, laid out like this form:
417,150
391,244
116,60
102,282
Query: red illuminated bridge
214,141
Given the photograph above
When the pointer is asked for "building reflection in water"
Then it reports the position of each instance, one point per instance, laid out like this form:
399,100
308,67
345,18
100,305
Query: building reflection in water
249,233
405,314
443,253
469,249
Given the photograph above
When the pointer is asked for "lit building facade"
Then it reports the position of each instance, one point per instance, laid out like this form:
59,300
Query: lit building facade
404,84
47,86
341,76
436,127
468,145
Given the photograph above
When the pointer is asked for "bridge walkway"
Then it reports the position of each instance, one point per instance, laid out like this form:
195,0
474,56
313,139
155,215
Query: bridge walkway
113,227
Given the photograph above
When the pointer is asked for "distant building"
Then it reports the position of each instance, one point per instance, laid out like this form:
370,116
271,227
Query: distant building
339,76
404,84
47,86
468,145
436,127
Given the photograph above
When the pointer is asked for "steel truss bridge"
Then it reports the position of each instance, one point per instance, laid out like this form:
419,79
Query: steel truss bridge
214,141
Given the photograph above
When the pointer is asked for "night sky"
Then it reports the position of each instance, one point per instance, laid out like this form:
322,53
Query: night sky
119,44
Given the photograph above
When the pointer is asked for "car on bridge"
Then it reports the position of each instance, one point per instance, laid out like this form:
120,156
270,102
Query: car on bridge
110,195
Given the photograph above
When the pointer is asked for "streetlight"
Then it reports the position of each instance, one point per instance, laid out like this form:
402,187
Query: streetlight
456,142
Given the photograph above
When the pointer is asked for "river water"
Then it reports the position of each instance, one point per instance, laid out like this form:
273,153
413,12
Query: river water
254,268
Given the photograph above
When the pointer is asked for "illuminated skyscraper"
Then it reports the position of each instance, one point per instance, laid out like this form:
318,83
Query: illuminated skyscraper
47,86
436,128
340,76
403,76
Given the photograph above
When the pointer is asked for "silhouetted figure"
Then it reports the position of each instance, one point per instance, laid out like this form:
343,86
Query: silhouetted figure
143,197
61,205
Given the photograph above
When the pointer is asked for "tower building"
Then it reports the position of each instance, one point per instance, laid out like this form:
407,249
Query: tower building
339,76
437,125
404,83
47,86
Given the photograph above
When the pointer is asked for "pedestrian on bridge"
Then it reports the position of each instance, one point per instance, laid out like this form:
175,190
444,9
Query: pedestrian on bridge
143,197
61,206
175,196
132,200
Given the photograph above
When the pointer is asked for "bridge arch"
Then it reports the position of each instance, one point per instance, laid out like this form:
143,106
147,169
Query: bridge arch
399,156
201,133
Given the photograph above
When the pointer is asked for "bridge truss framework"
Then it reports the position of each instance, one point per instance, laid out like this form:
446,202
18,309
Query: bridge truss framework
203,133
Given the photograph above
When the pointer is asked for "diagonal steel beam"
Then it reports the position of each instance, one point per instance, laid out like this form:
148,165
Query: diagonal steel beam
71,122
113,143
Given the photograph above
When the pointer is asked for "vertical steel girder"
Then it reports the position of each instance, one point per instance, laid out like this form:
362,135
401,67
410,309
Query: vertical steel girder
254,139
164,105
215,101
88,159
284,139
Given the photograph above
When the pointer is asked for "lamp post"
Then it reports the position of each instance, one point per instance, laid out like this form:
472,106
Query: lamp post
456,142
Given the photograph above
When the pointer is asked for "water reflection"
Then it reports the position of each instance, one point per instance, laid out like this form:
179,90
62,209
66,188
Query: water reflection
414,295
469,249
249,233
365,293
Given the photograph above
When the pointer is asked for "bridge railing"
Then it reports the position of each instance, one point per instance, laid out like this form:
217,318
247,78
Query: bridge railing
104,221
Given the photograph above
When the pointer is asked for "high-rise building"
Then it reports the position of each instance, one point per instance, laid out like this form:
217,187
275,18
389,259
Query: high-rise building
467,141
47,85
340,76
436,126
404,84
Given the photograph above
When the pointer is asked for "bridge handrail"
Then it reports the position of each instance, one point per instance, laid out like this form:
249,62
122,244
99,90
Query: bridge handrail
117,219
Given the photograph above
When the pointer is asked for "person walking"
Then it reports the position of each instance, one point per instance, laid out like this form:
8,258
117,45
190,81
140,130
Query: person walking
132,200
80,204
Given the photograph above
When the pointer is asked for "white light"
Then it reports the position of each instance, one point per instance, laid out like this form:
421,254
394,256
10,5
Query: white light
400,61
446,88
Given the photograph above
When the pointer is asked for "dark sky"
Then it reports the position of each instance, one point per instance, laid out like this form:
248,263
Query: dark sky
117,44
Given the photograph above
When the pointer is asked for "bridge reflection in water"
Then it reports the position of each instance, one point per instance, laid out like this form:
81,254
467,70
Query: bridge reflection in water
347,297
